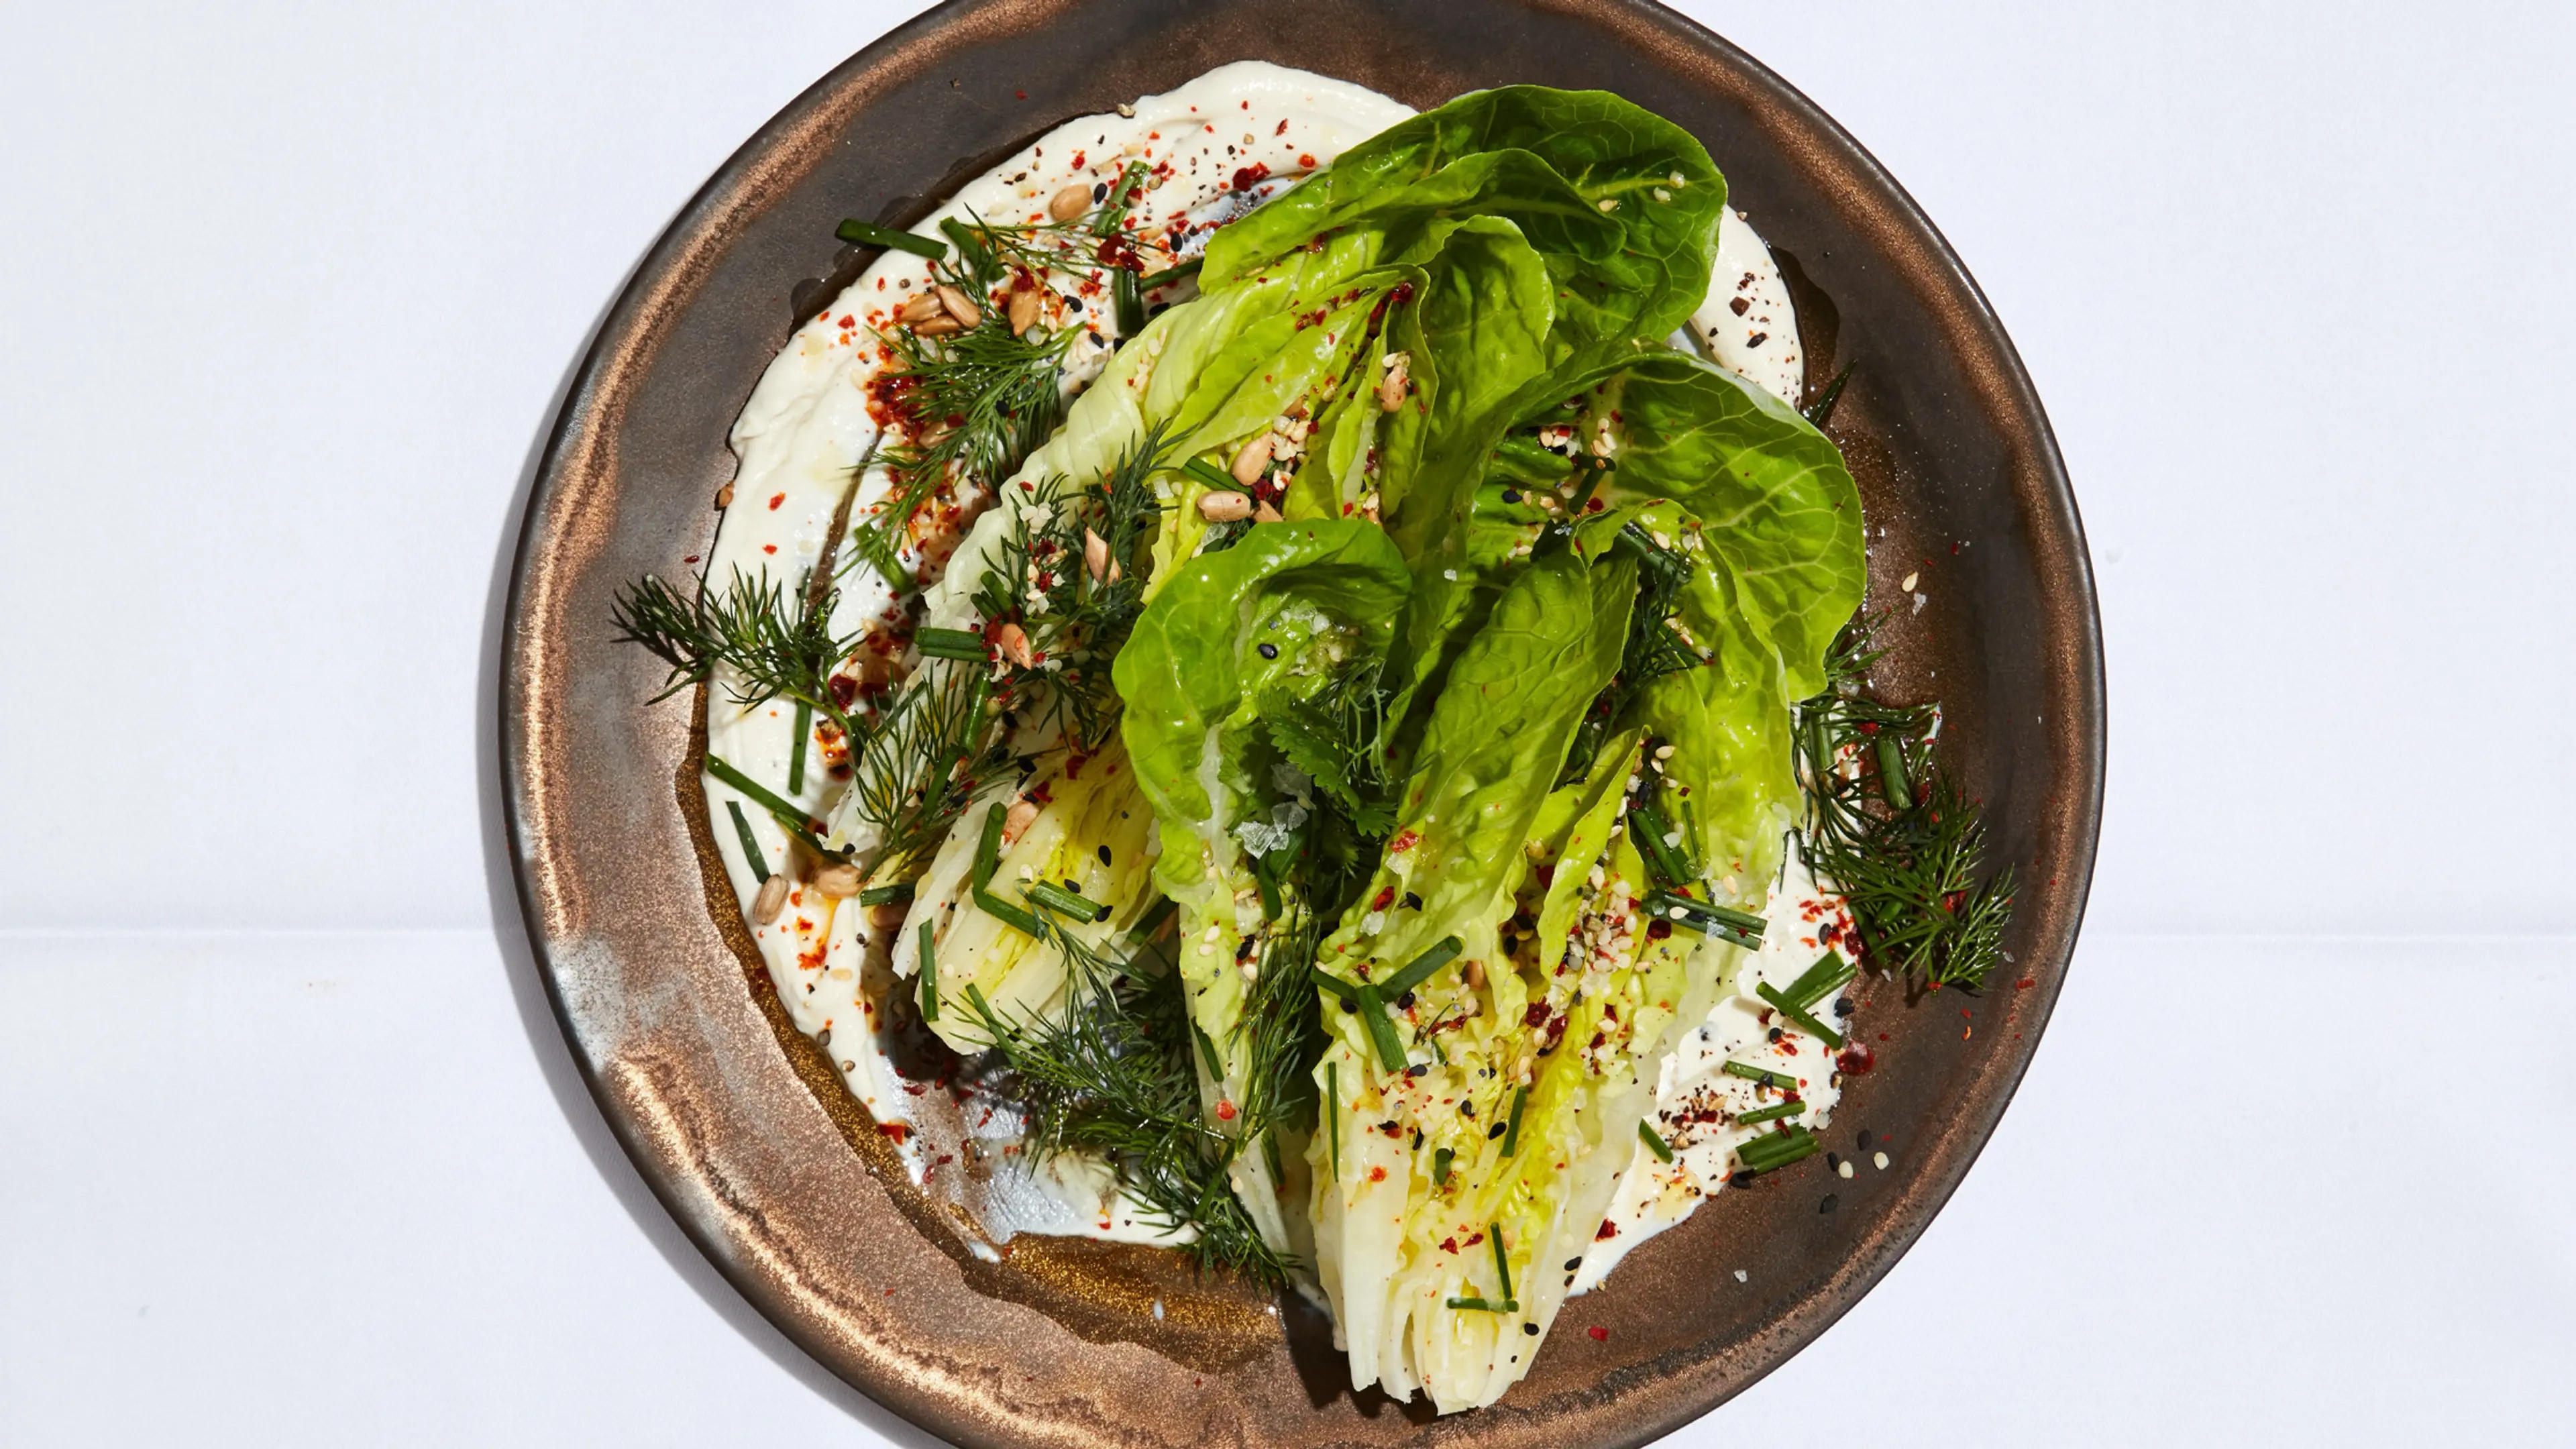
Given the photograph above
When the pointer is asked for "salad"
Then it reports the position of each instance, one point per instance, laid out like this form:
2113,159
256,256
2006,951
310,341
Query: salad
1303,661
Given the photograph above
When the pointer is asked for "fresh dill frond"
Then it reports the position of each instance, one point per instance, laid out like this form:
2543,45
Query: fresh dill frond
1285,1026
1108,1073
1911,871
774,648
913,772
1075,620
1653,648
973,405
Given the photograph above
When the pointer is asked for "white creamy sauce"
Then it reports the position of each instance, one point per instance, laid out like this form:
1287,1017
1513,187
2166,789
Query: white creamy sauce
1696,1101
808,427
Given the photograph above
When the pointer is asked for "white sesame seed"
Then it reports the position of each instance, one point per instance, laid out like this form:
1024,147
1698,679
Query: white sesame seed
1879,1159
1842,1169
1910,581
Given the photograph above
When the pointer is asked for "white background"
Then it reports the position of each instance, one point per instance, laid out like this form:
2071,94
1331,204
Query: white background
290,1151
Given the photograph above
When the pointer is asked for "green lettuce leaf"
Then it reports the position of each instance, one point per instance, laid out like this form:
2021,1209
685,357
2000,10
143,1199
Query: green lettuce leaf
1274,619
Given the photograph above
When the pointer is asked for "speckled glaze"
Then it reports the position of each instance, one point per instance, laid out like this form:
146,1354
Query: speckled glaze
741,1125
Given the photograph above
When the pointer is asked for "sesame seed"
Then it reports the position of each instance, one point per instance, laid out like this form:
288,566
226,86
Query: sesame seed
1842,1169
1910,581
1880,1159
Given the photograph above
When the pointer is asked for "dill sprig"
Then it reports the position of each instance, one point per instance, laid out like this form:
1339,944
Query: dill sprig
1653,648
918,765
1894,835
1341,738
774,649
973,405
1109,1074
1286,1030
1074,620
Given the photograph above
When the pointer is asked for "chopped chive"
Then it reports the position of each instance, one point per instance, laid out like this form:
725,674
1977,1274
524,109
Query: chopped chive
1343,991
1512,1132
963,235
1413,975
1647,828
1821,980
869,234
1066,902
1892,783
900,893
929,976
1798,1015
795,821
949,643
1333,1110
1752,1073
751,851
1113,208
1381,1030
1210,474
1821,411
1709,913
1207,1053
984,1009
1773,1151
796,751
1270,902
1124,303
1770,1114
1440,1166
988,858
1479,1305
1744,921
1733,936
1153,280
1502,1265
1654,1141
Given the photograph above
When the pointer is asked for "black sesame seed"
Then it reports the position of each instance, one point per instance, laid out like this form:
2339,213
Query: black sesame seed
1418,1069
1832,1161
1511,495
1775,1033
1466,1109
1573,1263
1830,1203
1495,1131
1530,1328
1412,902
1865,1139
1104,855
1269,651
1404,1002
1843,1006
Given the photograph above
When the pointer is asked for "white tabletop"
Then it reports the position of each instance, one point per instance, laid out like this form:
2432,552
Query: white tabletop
290,1151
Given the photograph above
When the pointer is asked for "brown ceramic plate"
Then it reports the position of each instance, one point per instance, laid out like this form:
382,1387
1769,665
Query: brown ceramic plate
742,1127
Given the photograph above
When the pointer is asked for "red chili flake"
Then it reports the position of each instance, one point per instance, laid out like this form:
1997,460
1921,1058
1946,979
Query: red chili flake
901,1132
769,548
1536,1015
693,558
1404,840
1019,95
1857,1060
1447,1245
1302,158
1377,1174
1250,176
1383,899
2024,984
1224,1111
1599,1334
